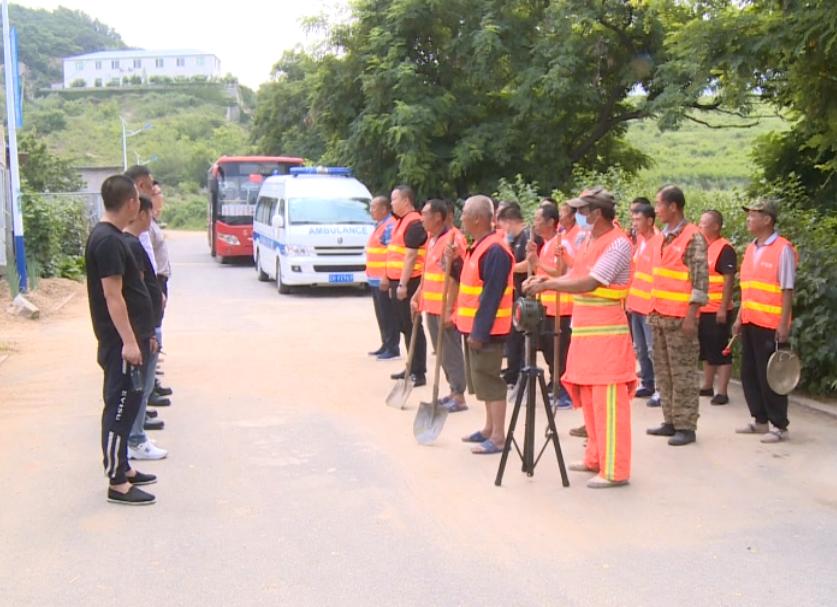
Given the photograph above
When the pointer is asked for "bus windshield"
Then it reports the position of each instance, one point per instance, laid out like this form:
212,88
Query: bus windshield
315,211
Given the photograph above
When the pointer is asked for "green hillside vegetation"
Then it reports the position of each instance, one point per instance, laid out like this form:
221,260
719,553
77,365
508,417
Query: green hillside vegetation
46,37
698,156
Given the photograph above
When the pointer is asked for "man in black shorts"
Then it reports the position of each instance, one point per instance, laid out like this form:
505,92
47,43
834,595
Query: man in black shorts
120,309
716,316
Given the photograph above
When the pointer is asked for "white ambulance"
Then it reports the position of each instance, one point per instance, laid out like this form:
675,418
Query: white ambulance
310,228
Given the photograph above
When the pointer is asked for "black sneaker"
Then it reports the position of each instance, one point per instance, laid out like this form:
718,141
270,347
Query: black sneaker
707,392
154,424
134,497
654,401
720,399
161,390
398,375
151,413
644,392
377,352
419,380
142,479
158,401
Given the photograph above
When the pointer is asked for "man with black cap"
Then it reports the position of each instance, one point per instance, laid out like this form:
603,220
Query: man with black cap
601,366
764,320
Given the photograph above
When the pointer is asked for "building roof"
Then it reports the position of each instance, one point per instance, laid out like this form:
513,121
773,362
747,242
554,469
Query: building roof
138,54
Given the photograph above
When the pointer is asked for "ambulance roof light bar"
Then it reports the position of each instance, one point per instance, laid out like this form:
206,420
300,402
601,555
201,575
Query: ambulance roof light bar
337,171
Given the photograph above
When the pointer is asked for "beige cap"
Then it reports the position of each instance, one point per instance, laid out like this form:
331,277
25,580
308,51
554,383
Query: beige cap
596,197
764,205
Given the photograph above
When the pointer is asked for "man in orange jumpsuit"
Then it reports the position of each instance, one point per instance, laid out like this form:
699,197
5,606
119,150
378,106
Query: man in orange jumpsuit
601,385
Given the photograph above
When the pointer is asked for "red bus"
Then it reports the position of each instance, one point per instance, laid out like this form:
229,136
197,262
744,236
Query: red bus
233,184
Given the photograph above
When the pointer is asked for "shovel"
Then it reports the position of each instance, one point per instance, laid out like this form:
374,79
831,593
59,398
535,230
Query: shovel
400,392
430,417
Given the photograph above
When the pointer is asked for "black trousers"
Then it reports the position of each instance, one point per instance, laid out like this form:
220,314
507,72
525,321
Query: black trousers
387,323
546,344
757,344
404,319
515,356
122,403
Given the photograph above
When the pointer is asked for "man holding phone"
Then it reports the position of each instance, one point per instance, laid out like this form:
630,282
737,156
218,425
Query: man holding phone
121,312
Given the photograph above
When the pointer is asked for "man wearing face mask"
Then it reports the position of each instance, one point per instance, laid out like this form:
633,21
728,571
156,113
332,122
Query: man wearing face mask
600,373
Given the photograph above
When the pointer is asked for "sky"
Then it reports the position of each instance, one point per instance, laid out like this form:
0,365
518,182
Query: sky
248,36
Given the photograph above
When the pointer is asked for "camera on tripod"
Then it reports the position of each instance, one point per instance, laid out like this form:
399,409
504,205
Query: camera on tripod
529,317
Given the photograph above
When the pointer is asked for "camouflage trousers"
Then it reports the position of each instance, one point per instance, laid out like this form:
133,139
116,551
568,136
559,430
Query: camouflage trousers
675,365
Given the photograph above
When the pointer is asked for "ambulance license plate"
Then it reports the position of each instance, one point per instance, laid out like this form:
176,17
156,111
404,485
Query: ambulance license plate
341,278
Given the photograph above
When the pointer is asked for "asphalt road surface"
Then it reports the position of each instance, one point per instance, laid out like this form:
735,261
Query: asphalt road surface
289,482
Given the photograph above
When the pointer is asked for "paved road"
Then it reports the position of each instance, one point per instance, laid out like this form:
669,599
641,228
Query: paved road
289,482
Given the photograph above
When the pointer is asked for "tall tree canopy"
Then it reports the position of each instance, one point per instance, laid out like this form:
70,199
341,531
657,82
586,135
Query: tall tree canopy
451,95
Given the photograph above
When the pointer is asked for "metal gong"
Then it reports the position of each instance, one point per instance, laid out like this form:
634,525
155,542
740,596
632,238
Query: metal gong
783,371
528,314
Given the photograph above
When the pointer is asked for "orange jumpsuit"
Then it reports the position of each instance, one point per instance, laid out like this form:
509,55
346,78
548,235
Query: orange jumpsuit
601,366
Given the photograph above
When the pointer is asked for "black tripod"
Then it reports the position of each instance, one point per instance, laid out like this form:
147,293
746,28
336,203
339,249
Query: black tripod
531,378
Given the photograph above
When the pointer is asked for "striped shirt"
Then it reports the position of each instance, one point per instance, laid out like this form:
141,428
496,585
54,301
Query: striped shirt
614,266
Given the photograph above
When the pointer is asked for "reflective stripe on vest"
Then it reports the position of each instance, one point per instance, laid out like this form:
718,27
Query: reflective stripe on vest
433,281
672,287
716,280
376,252
397,250
471,287
761,291
642,280
601,351
546,261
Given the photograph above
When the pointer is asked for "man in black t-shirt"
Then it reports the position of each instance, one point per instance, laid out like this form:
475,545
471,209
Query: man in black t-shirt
510,220
122,316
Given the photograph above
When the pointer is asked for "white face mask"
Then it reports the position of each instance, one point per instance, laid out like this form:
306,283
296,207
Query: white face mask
582,221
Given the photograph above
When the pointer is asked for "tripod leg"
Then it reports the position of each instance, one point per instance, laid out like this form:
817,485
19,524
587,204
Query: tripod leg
552,428
521,383
532,375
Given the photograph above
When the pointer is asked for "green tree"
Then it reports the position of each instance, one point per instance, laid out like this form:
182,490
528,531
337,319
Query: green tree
42,171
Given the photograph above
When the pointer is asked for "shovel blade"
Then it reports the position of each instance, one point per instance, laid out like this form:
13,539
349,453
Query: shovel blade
429,421
397,398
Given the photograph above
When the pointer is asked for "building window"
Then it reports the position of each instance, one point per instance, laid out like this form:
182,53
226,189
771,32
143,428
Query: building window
137,63
98,65
115,64
158,63
79,66
199,60
181,62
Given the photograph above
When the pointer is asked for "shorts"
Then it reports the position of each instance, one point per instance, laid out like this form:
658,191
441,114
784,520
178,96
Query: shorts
485,372
714,338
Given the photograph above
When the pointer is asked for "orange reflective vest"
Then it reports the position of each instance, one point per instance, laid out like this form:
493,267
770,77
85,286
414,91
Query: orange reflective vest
376,252
397,249
569,241
716,280
601,351
672,288
546,261
639,295
761,291
471,284
433,280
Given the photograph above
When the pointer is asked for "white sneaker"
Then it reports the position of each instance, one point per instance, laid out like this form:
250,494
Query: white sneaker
146,450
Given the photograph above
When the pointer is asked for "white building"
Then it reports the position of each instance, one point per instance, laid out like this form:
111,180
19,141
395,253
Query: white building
110,67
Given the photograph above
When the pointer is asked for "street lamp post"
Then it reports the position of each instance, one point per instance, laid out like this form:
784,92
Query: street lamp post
125,134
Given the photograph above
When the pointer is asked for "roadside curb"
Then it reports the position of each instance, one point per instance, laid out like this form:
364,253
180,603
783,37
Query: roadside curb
805,403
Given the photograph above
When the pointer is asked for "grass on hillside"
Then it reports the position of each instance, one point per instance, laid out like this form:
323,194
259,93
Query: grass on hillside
697,156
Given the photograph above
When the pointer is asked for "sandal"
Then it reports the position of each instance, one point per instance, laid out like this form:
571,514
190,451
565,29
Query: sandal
486,448
476,437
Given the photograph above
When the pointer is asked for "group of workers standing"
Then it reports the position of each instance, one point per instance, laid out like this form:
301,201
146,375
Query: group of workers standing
661,298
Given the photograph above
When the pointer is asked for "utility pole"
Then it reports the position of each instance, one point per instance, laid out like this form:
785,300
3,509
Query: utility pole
10,68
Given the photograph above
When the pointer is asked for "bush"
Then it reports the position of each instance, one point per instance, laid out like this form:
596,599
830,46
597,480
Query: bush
185,211
56,229
78,83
